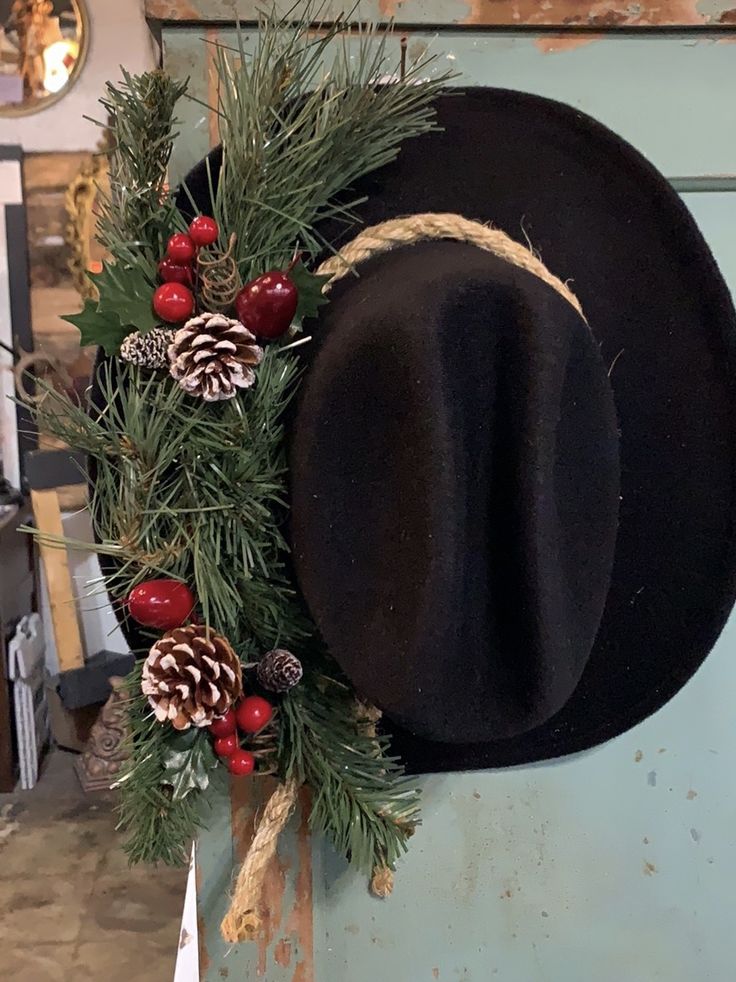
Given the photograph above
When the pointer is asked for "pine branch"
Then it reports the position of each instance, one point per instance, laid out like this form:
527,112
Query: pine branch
361,799
301,119
137,214
160,826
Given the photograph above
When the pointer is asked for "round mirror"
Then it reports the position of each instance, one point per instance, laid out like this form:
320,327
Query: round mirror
42,48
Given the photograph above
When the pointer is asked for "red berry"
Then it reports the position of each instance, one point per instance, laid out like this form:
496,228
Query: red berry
266,306
253,713
226,745
225,725
173,302
203,230
171,272
180,248
163,604
241,762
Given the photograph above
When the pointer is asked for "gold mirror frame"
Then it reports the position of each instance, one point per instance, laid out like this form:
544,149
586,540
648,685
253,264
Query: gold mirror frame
80,209
9,110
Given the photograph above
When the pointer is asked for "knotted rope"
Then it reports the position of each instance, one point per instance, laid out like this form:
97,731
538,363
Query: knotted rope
242,920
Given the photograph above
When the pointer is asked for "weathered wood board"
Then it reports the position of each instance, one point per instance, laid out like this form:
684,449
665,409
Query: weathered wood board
672,97
566,14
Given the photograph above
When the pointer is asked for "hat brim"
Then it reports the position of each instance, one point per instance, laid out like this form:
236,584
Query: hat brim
603,218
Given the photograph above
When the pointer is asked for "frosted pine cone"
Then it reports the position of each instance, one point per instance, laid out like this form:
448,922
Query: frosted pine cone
279,670
147,350
191,676
213,356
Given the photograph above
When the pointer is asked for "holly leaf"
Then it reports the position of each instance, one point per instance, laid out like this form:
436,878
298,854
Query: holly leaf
309,288
188,769
126,291
97,327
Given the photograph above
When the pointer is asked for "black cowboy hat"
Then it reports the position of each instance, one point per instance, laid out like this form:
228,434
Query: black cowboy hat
513,522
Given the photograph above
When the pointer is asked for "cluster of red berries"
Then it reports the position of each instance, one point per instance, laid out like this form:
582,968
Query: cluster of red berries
173,301
266,305
249,716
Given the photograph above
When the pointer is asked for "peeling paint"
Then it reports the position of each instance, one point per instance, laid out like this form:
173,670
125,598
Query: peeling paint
282,953
552,44
603,14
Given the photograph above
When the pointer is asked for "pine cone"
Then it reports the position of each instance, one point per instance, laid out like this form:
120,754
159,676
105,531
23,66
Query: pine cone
191,676
212,357
147,350
279,670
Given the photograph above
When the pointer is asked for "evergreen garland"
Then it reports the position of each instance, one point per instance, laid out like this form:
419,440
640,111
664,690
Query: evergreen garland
197,491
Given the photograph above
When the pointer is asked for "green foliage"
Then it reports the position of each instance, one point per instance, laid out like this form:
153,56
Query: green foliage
137,214
188,763
309,286
126,291
301,118
94,327
197,490
160,827
361,800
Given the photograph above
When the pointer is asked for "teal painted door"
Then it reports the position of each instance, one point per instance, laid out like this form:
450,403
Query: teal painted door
616,865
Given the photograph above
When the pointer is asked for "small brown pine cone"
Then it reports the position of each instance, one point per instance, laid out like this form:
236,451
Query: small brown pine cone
279,670
213,356
191,676
148,350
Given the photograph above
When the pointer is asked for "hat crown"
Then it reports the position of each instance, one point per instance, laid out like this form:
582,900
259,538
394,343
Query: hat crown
455,490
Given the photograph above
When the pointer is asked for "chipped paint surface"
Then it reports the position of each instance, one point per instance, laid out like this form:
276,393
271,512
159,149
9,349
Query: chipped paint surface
602,14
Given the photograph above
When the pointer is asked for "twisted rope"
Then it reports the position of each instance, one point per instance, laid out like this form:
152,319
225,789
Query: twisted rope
430,225
243,920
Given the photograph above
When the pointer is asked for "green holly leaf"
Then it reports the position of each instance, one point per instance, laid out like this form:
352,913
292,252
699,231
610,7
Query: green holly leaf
126,291
96,327
309,286
188,769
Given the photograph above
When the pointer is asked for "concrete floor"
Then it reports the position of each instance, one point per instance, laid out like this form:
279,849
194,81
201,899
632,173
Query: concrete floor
70,907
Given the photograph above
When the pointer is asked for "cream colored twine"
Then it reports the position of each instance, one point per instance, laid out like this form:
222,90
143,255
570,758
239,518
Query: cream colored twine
430,225
242,921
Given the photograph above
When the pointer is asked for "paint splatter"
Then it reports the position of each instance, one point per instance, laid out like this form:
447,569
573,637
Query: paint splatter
645,840
648,869
545,914
652,779
435,973
691,794
638,756
695,835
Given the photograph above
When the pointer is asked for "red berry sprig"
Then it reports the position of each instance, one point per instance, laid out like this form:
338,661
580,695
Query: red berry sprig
203,231
249,716
241,762
173,301
253,713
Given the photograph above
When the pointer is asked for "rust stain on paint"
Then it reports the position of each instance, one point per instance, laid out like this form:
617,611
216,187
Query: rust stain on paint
170,10
552,44
204,957
213,123
648,869
594,14
282,953
299,923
